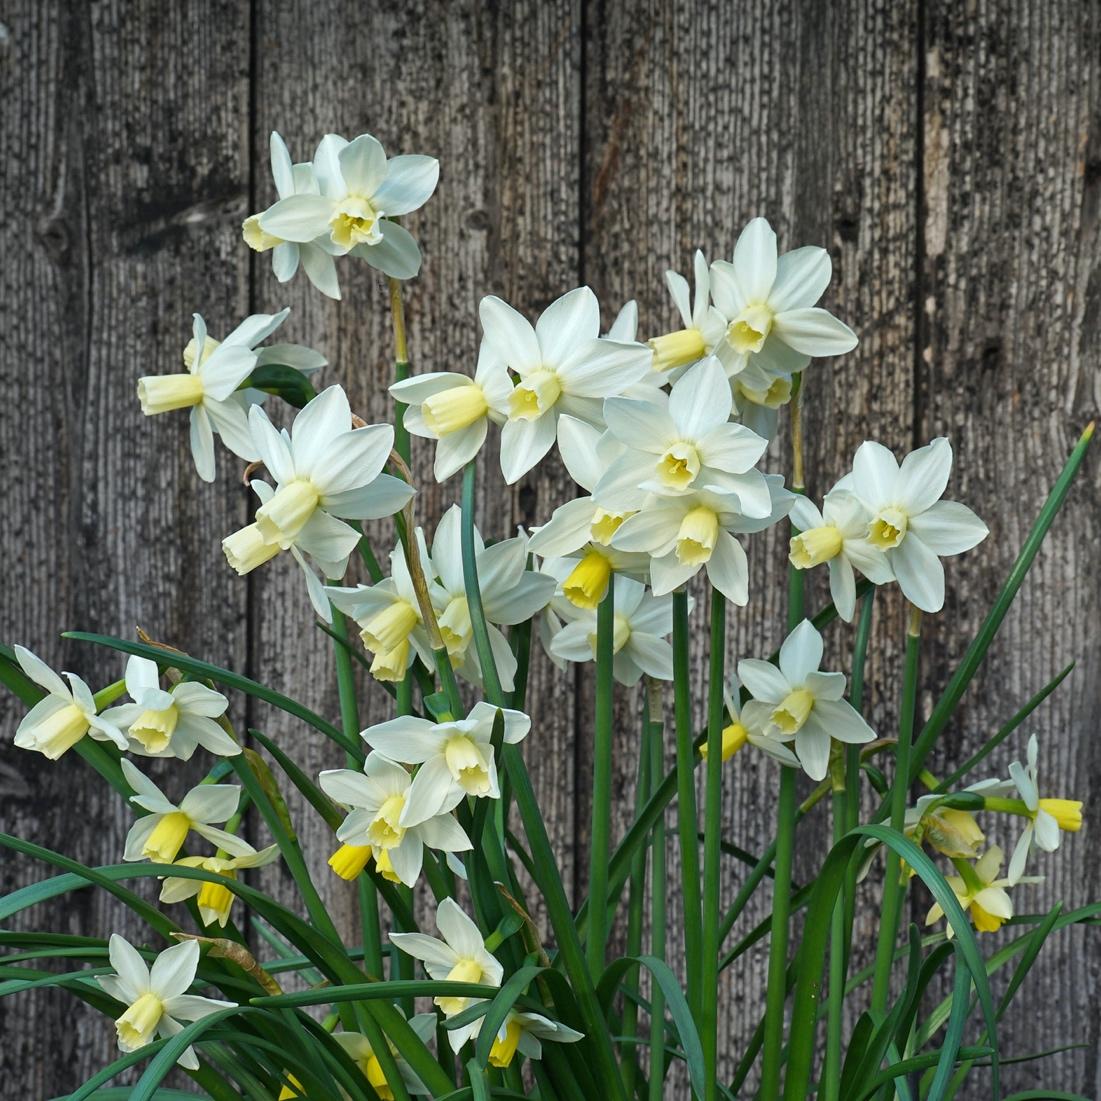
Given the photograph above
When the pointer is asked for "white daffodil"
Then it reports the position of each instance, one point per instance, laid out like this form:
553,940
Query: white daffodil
682,442
316,259
360,191
455,758
160,834
1048,818
704,326
769,305
759,394
170,723
156,998
511,594
358,1048
64,715
378,796
642,623
389,615
455,410
797,702
696,530
326,472
838,536
215,899
563,365
524,1032
460,957
741,731
981,894
950,830
909,522
209,388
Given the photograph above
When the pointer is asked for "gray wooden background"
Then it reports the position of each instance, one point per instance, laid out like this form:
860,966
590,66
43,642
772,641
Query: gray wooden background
948,155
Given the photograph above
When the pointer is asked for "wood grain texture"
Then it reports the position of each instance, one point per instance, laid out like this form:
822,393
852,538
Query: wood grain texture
948,156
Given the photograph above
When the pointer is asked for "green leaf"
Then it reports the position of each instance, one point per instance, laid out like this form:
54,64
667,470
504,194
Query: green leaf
284,381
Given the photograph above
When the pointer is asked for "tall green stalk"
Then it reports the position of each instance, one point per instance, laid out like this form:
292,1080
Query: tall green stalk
892,888
602,787
655,746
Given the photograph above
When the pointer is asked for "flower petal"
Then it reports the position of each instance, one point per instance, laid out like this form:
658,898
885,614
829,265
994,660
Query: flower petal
802,277
510,335
801,653
755,260
814,332
410,181
566,325
919,572
949,528
923,476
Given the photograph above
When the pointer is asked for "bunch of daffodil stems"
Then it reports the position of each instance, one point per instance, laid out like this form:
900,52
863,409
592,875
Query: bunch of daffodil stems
508,987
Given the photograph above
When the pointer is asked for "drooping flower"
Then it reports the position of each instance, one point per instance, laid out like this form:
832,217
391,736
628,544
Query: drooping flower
952,831
170,723
215,900
704,326
768,303
358,1048
160,834
838,536
460,957
759,394
378,796
455,758
156,998
209,388
524,1032
326,472
360,192
64,715
909,522
796,702
563,365
981,894
455,410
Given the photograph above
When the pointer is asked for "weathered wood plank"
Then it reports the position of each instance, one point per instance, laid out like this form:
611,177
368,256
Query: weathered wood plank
123,158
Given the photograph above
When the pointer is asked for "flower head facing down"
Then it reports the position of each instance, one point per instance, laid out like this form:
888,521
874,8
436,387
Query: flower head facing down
981,894
796,703
215,900
525,1033
358,1048
156,997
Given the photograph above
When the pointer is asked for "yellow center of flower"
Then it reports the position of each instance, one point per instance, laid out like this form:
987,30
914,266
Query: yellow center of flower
888,529
391,665
678,467
815,546
621,634
677,349
163,393
355,222
983,920
390,627
456,628
452,410
384,831
792,711
60,731
504,1048
349,860
256,237
465,970
749,330
734,737
137,1026
467,765
215,900
605,525
1066,812
287,512
696,538
777,394
534,395
154,729
372,1071
246,549
587,583
167,838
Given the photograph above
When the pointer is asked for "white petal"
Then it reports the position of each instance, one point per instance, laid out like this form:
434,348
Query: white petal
41,673
814,332
604,368
802,277
272,446
524,443
948,527
843,587
348,787
382,497
763,680
407,738
812,747
509,335
363,165
320,269
174,969
732,448
923,476
919,572
299,218
429,793
281,165
842,721
801,653
128,964
351,460
397,254
438,957
202,443
458,930
668,573
323,419
410,181
444,834
457,449
211,802
874,474
230,419
577,445
566,325
700,400
728,569
566,531
755,260
284,261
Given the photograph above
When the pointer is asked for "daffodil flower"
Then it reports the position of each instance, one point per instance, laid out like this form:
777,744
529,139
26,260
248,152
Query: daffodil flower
160,834
455,410
209,388
360,192
741,731
1048,818
64,715
759,394
460,957
455,758
156,998
378,796
170,723
768,303
704,326
838,536
215,899
981,894
326,472
695,531
683,442
525,1033
563,366
909,522
796,702
358,1048
315,258
950,830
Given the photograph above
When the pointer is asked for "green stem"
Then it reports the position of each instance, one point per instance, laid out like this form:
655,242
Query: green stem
655,746
602,787
712,851
687,825
892,889
401,366
831,1070
490,678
